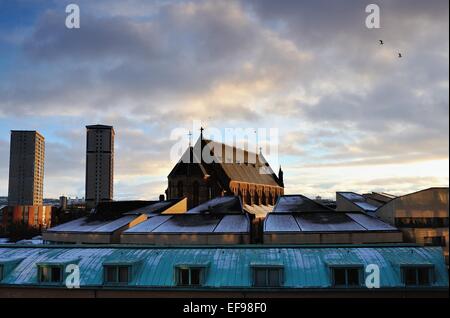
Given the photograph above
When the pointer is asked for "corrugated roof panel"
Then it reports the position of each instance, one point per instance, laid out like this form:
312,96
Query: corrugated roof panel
371,223
222,205
115,225
327,222
233,224
297,203
280,223
148,225
305,267
366,206
352,196
189,223
78,225
83,225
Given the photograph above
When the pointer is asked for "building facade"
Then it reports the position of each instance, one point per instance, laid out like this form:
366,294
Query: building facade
422,217
99,164
37,216
26,168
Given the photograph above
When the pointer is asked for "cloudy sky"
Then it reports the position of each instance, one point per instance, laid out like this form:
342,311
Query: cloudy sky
351,114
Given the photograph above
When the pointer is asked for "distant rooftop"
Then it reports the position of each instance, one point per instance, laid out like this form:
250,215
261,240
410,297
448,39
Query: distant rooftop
84,225
28,131
99,126
359,200
219,205
192,223
329,221
114,209
298,203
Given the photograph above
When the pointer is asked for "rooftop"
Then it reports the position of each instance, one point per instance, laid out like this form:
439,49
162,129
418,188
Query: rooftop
298,203
359,201
193,223
84,225
219,205
99,126
227,267
230,164
324,222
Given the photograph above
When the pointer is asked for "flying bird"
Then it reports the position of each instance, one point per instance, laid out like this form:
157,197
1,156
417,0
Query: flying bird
400,55
381,42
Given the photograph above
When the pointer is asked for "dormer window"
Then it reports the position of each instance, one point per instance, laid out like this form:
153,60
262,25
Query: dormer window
53,271
117,274
190,275
50,274
417,275
120,272
268,275
343,276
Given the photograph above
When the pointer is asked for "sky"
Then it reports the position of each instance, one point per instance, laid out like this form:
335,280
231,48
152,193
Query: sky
351,115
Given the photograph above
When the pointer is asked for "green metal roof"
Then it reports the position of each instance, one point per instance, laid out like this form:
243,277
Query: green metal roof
228,267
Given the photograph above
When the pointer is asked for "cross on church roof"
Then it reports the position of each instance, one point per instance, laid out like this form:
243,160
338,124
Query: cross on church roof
190,138
201,133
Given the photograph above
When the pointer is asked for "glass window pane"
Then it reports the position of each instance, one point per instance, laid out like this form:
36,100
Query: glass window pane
195,276
56,274
339,276
410,276
111,274
123,274
260,277
424,276
44,272
183,278
274,277
353,277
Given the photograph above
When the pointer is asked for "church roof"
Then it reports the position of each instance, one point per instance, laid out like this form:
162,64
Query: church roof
228,163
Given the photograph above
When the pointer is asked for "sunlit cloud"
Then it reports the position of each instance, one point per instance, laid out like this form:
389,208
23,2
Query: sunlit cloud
351,115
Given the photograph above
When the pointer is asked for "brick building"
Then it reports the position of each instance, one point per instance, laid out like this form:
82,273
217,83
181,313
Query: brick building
226,170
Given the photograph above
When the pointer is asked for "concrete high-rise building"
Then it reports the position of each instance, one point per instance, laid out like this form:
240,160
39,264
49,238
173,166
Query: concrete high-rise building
99,164
63,202
26,168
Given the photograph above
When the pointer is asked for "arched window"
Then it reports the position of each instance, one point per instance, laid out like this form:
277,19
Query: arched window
248,199
270,198
240,195
180,189
195,193
263,198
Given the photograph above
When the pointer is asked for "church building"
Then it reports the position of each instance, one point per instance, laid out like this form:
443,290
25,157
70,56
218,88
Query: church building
211,169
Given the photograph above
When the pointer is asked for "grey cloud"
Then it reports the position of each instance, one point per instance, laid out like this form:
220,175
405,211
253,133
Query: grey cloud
138,65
